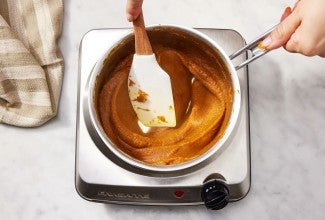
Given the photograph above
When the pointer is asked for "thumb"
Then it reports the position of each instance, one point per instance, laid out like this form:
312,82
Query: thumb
286,13
133,9
282,33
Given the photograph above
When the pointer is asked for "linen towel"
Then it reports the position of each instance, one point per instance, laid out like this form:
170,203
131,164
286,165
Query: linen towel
31,65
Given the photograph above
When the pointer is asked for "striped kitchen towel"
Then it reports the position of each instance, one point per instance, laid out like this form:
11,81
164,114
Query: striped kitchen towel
31,65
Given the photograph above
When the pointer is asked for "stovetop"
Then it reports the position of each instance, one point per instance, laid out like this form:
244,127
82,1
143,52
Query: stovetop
101,180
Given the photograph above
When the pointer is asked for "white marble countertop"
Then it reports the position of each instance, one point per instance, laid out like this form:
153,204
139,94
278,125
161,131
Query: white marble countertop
287,96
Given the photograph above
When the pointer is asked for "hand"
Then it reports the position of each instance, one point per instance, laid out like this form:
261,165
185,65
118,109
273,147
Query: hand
133,9
302,29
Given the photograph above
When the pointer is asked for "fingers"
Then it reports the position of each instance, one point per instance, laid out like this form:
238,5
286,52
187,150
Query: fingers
302,41
282,32
301,30
309,38
133,9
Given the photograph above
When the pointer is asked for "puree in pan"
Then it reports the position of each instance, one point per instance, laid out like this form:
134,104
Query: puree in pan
203,96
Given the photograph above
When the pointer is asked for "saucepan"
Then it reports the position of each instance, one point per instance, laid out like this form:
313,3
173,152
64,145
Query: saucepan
122,48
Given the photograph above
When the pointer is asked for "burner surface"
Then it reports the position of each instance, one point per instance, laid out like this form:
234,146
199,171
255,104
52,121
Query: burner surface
101,180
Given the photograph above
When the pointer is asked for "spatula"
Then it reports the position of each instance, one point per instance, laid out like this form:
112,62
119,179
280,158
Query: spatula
150,89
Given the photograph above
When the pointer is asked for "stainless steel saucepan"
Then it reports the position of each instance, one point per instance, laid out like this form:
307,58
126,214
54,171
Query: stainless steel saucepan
126,45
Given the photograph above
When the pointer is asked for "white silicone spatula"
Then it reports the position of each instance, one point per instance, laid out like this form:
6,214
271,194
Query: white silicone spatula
150,89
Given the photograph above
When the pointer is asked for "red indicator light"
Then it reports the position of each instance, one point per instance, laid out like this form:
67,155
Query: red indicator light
179,194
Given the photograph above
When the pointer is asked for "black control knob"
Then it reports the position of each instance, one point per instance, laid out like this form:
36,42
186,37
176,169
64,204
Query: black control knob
215,194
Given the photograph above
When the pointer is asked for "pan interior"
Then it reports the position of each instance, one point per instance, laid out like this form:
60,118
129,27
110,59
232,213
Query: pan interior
203,94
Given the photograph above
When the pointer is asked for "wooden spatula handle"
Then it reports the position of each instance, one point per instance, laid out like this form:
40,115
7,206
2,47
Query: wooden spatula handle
142,43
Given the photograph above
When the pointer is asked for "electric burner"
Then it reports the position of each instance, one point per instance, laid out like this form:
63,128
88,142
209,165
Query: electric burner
225,179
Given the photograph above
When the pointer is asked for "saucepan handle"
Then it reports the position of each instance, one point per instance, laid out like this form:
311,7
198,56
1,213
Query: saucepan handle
256,51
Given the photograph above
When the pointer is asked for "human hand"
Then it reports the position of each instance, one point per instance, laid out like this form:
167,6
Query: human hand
302,29
133,9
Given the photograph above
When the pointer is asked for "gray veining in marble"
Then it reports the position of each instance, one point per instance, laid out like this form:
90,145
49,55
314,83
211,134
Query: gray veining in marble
287,96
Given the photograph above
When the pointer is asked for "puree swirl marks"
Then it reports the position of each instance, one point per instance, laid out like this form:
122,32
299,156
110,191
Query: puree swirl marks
203,99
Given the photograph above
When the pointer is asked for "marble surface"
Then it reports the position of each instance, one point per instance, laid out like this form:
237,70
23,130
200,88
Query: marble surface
287,93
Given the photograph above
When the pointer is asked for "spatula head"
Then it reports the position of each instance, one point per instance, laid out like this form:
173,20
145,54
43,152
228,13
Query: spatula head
151,93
